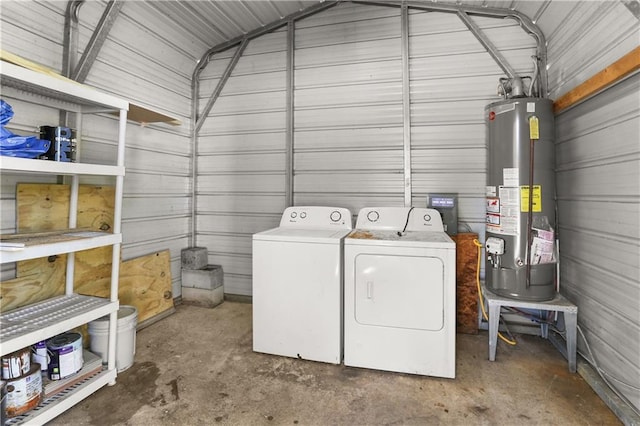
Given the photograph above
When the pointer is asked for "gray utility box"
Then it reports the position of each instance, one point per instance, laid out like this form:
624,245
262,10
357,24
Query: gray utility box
194,258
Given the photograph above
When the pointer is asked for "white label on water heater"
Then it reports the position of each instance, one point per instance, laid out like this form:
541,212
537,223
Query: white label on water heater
531,107
510,177
504,219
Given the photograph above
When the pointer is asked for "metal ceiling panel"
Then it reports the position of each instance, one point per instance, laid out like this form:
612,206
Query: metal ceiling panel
214,22
347,13
366,51
340,33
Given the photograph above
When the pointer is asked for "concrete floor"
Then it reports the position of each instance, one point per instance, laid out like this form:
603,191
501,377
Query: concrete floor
197,367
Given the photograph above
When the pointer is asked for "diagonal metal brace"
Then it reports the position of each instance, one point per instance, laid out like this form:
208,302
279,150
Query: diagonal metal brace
484,40
221,84
97,40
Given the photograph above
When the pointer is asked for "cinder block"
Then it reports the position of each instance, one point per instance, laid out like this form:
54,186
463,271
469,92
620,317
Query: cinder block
194,258
209,278
201,297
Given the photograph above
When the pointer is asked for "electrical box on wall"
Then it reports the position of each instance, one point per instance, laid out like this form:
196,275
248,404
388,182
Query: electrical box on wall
447,205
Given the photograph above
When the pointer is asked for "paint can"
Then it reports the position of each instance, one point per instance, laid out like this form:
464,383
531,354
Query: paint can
39,355
65,355
16,364
24,393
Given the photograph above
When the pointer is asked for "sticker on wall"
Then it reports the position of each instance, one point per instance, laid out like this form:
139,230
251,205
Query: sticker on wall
491,191
537,199
511,176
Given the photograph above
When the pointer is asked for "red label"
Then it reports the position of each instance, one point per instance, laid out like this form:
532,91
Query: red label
492,116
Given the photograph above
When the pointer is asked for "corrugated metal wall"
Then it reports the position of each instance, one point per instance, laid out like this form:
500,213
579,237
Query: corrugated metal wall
598,181
348,108
348,146
598,175
145,59
241,156
452,79
348,121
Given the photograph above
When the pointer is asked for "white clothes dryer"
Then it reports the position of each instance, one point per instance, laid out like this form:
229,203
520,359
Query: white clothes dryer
400,295
298,284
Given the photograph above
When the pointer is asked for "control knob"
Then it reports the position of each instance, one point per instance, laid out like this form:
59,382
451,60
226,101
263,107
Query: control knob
335,216
373,216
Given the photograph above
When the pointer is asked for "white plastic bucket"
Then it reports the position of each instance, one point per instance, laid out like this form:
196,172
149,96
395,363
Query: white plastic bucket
125,340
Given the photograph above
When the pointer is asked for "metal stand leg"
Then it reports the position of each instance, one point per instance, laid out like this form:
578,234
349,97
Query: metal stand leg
571,324
494,319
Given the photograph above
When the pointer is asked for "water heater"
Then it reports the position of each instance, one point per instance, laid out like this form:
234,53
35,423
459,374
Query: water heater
520,199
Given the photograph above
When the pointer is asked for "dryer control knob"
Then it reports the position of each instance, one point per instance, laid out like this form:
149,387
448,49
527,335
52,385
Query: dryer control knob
293,215
427,218
373,216
335,216
303,215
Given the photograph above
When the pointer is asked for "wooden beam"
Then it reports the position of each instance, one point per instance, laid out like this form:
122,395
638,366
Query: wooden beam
623,67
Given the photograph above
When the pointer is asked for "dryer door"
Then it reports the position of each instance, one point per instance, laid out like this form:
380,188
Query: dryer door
399,291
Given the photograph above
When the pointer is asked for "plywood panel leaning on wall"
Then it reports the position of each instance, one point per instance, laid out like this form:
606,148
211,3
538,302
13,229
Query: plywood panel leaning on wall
145,282
45,207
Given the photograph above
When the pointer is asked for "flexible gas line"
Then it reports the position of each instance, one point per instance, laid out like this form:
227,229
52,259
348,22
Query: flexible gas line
484,312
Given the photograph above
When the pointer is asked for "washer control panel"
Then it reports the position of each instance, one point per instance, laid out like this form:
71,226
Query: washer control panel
316,217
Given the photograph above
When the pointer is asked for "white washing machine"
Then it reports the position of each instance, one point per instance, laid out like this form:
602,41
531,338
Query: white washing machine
298,284
400,292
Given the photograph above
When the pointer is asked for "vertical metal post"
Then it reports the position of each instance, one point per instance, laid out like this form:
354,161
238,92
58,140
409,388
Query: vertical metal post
290,114
195,105
70,53
406,105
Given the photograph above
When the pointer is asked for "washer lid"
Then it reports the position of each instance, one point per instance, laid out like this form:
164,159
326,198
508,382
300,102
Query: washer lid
399,239
301,235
